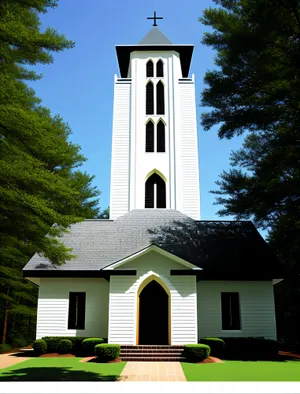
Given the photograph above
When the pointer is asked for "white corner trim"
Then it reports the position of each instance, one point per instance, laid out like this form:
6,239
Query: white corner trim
275,281
152,248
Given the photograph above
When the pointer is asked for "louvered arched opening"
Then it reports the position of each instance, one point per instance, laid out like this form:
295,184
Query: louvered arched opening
160,99
161,137
155,192
149,98
149,69
150,136
159,69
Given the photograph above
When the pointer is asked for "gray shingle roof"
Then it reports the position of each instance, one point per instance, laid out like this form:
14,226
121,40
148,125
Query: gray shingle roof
215,246
155,37
99,243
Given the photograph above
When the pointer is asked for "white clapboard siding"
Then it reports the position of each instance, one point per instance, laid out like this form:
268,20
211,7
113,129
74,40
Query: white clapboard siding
123,300
119,189
53,306
256,306
190,204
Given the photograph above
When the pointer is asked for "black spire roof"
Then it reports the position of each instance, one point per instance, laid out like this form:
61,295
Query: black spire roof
155,40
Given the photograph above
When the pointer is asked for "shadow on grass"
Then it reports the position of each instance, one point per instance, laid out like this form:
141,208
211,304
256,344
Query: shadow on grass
39,374
278,358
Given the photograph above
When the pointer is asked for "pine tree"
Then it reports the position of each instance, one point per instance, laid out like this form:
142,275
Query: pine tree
42,190
256,89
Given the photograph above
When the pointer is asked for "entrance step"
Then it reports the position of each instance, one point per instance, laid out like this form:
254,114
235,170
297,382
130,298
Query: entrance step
151,353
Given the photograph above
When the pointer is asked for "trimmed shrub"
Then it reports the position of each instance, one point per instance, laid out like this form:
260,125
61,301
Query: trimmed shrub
39,346
52,343
107,352
4,347
216,345
196,352
250,348
88,345
64,346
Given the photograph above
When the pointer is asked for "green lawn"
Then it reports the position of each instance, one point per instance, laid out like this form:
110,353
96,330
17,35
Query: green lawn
235,371
61,369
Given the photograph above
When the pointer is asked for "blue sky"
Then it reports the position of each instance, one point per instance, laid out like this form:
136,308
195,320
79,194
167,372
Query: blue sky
79,84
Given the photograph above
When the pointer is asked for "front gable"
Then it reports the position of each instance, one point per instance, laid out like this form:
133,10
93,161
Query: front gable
135,258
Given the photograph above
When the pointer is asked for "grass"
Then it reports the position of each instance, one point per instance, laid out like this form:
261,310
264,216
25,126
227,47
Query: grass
61,369
243,371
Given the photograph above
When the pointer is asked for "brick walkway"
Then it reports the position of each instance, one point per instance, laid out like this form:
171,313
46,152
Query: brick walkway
152,371
7,360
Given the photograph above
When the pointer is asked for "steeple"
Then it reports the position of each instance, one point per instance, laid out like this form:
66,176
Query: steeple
155,148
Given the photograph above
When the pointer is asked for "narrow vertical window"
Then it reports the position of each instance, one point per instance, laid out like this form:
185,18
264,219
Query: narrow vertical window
149,98
159,69
149,69
155,192
231,319
160,99
150,137
76,318
160,130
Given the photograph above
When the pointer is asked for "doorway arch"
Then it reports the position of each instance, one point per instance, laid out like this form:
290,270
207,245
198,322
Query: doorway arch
153,313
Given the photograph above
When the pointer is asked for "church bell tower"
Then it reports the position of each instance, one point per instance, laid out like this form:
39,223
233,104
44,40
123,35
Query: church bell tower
154,146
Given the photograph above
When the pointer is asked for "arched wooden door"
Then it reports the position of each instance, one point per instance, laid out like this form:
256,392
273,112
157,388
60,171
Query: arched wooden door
153,315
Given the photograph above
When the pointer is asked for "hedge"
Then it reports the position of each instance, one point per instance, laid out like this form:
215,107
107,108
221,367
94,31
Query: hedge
250,348
39,346
196,352
216,345
107,352
88,345
52,343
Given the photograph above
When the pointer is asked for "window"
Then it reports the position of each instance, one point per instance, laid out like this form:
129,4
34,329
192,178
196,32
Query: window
155,192
150,137
149,99
231,319
149,69
76,311
160,131
160,99
159,69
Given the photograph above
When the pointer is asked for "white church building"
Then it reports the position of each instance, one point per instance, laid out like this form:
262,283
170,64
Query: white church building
154,273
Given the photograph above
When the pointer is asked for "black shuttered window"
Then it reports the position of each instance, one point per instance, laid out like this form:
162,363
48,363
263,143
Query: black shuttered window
76,311
231,319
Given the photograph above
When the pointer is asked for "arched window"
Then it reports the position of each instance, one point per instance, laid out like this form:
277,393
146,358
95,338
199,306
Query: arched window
155,192
160,99
149,69
150,137
160,130
159,69
149,98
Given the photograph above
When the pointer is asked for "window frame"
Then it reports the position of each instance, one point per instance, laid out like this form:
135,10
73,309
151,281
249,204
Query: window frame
154,191
236,324
153,98
71,323
149,62
163,112
150,121
156,73
164,137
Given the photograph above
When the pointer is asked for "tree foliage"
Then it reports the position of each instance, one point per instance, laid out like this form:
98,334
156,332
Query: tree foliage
255,89
42,189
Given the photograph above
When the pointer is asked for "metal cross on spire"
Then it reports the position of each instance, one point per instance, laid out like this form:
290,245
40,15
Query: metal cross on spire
155,18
